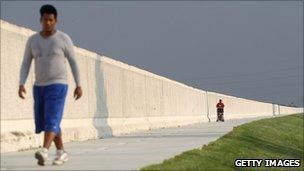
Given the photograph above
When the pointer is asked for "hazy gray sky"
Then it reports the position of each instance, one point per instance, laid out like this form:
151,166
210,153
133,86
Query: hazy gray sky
247,49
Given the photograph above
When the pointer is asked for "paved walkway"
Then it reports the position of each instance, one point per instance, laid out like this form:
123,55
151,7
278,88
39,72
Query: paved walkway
127,152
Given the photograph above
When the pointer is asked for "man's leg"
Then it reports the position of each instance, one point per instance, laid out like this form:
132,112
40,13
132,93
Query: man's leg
48,138
42,154
61,154
58,141
55,100
54,104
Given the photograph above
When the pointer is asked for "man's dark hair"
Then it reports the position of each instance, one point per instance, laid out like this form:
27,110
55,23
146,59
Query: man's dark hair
49,9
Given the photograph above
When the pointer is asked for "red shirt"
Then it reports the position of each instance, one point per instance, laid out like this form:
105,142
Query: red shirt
220,105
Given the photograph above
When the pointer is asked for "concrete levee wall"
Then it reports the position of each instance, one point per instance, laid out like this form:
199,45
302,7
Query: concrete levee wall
117,98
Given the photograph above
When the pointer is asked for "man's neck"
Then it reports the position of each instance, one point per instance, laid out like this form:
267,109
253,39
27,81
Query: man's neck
46,33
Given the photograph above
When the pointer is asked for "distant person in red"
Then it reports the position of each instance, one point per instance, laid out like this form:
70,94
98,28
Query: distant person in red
220,111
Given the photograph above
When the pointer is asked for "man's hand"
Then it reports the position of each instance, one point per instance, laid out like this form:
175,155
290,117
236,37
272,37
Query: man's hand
77,93
21,90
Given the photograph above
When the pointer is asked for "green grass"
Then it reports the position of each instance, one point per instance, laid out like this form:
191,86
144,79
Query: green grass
273,138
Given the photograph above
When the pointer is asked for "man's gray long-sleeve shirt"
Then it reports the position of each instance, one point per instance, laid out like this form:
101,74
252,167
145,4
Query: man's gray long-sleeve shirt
50,56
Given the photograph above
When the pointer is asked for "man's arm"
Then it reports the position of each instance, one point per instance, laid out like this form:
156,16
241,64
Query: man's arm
70,55
25,67
26,63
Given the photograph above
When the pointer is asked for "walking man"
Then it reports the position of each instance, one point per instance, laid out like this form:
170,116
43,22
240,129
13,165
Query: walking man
49,48
220,111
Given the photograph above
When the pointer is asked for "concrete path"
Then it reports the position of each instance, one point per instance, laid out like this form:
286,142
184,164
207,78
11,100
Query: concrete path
127,152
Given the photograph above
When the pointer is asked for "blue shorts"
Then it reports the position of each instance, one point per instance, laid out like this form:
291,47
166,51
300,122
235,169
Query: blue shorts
48,106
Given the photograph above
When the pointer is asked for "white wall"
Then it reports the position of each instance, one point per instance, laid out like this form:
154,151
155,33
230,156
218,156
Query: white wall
118,98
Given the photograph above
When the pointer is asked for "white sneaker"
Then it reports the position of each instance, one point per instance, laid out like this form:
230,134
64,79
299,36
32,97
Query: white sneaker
61,157
42,155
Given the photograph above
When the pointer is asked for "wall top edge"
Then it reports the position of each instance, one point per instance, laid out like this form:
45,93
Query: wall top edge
93,55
